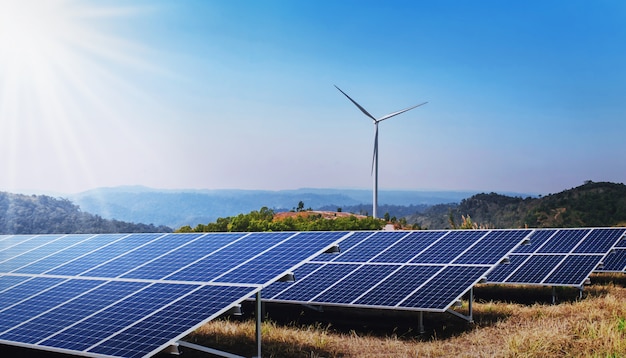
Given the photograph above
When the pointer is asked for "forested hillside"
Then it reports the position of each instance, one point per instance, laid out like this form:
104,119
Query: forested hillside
40,214
589,205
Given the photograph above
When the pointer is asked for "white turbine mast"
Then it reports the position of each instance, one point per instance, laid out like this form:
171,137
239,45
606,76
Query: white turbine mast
375,155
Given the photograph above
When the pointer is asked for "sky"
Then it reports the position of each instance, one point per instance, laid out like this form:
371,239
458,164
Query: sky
523,96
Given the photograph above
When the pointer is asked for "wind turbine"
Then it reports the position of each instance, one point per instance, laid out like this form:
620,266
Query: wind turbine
375,156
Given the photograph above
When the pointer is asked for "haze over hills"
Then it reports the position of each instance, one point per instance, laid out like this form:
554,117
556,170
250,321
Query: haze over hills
177,208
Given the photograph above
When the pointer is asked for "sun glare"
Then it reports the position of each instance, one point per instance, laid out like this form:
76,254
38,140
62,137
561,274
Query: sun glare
57,88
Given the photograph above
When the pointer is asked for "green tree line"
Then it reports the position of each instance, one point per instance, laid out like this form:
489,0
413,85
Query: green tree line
264,220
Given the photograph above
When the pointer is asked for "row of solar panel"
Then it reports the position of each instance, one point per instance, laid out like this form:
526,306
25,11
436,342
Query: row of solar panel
215,257
616,260
117,318
414,270
98,295
560,257
388,269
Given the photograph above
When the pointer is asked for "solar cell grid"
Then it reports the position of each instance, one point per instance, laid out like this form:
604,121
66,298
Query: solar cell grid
71,311
263,267
221,261
536,268
346,245
101,324
127,261
23,246
41,252
573,270
614,262
192,251
452,281
537,240
171,321
299,273
355,284
600,241
398,286
43,301
307,288
501,272
491,248
370,247
65,255
111,248
563,241
449,247
411,245
93,315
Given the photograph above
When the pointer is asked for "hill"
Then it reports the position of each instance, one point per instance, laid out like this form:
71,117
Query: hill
589,205
41,214
176,208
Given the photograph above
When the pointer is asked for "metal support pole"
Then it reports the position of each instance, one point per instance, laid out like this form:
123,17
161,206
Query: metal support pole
553,295
580,293
470,305
258,313
421,322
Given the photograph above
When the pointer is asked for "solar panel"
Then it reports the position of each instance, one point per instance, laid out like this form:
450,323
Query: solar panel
132,295
558,257
402,270
614,262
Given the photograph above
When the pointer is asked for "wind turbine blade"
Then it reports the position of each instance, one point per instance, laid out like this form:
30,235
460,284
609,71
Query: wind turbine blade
358,105
399,112
374,156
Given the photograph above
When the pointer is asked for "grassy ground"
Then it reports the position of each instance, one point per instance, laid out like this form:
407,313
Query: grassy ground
509,321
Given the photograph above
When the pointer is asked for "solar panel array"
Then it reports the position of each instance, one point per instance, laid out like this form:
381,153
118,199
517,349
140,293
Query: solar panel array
133,295
401,270
558,257
615,261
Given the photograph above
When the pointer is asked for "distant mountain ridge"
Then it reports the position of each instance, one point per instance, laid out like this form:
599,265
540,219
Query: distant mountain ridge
593,204
41,214
176,208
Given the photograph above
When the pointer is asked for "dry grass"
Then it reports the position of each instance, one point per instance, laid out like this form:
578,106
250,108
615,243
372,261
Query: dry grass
592,327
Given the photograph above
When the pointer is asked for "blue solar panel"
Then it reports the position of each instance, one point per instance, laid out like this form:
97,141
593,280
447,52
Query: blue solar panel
537,240
370,247
131,295
299,274
453,282
111,248
572,269
346,245
449,247
24,244
398,270
74,310
355,284
501,272
558,257
65,255
219,262
263,268
404,250
171,322
491,248
535,269
391,291
194,250
307,288
563,241
614,262
600,241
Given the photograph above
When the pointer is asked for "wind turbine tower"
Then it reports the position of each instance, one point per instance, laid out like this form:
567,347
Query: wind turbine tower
375,156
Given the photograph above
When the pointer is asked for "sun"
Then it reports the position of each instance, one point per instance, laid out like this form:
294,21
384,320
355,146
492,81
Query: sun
60,77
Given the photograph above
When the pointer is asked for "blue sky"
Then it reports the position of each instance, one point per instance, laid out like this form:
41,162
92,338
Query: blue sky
524,96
